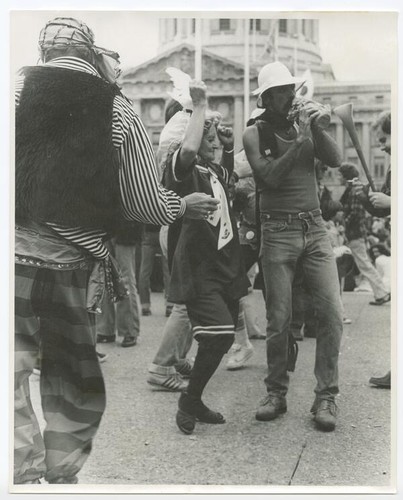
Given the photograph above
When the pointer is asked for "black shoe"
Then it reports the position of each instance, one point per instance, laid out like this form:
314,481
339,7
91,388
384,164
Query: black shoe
31,481
168,311
185,422
191,410
102,357
64,480
380,302
146,312
325,412
105,339
297,334
383,382
271,407
128,341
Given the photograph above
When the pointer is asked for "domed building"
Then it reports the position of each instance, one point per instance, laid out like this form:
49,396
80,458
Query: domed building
294,42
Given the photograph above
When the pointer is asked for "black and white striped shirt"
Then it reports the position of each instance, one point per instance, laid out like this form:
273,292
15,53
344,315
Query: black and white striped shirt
143,198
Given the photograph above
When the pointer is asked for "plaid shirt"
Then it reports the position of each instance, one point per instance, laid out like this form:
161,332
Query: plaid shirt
354,215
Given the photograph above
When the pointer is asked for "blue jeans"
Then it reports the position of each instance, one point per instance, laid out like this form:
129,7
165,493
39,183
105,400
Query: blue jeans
176,341
284,242
124,315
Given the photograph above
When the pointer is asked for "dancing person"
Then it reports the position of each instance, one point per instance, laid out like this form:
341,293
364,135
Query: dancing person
356,233
379,203
84,163
206,272
281,154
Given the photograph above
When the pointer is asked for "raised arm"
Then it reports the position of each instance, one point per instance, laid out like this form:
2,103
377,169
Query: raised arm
194,132
326,148
270,171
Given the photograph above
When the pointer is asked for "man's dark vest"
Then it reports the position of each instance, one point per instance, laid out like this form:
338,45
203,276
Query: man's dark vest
267,139
66,163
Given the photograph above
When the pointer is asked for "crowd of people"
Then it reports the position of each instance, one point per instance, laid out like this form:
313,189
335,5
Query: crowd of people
94,209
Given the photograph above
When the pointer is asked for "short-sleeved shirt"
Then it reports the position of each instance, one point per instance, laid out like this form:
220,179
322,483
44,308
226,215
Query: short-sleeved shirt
197,260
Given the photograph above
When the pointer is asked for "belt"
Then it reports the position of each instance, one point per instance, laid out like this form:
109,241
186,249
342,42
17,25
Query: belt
289,217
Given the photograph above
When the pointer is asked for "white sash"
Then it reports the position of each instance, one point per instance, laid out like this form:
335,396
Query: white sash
222,213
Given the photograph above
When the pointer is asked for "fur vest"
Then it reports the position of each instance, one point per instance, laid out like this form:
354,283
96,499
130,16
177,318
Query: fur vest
66,164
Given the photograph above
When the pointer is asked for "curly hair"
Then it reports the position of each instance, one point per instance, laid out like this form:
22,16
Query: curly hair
383,122
348,170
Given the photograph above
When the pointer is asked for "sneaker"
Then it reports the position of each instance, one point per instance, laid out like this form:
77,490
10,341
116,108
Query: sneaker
383,382
184,368
128,341
239,355
347,321
102,357
380,302
146,312
171,383
325,412
271,407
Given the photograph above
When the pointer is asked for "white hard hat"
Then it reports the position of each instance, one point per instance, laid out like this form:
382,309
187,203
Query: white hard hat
275,74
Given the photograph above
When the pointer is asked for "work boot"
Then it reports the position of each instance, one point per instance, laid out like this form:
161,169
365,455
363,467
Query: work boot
325,412
383,382
271,407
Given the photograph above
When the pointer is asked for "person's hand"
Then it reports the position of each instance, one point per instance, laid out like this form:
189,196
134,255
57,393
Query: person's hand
360,190
305,119
226,137
319,114
199,205
379,200
198,93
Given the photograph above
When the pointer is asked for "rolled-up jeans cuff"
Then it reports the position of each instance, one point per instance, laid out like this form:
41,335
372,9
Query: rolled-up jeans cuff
161,370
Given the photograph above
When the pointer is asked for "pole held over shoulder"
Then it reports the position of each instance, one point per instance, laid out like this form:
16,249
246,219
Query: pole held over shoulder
345,113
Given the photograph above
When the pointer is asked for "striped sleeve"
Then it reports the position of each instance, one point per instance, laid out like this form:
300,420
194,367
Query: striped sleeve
143,198
91,240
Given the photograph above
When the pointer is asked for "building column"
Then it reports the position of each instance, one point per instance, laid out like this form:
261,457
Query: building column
189,28
239,123
340,138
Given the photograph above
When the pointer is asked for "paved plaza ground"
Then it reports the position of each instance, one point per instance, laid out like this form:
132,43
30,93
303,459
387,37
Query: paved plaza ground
138,444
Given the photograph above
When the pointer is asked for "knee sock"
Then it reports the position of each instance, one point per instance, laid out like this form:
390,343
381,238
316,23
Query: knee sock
209,355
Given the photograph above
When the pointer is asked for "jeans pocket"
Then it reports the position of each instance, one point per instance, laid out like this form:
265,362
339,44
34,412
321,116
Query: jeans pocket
274,226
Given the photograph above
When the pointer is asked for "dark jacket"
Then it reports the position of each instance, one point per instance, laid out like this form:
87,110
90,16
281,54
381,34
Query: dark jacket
66,164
